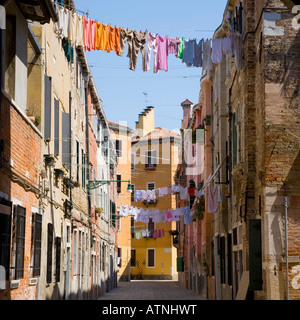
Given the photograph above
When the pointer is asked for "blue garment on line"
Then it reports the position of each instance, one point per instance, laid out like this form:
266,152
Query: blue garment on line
189,52
187,215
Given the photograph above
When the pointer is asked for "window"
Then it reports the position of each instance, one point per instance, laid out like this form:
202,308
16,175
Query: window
119,220
49,252
133,258
75,254
56,126
222,259
234,140
119,257
83,168
20,217
150,258
5,237
57,258
132,161
132,227
151,186
150,159
10,56
119,178
119,148
37,240
150,228
133,193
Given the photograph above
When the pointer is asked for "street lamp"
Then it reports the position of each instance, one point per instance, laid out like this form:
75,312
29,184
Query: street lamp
94,184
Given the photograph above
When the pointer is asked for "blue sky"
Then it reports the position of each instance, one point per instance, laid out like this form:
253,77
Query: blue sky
125,93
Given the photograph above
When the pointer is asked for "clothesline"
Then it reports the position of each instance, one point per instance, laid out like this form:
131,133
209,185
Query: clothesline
149,196
81,31
157,216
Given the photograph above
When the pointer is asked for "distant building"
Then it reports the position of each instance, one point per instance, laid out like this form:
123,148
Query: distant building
155,159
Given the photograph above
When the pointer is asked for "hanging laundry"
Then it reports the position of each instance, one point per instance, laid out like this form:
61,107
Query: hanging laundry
155,234
89,34
152,44
199,193
212,199
61,27
114,39
169,217
79,31
176,189
191,191
72,28
156,216
173,45
163,192
227,45
138,44
184,193
151,195
135,212
159,233
138,195
189,52
187,216
175,215
126,36
101,37
138,235
216,53
162,233
180,48
162,56
198,59
238,51
207,63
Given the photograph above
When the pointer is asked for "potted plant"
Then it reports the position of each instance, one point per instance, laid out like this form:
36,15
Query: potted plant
37,120
200,209
207,120
99,210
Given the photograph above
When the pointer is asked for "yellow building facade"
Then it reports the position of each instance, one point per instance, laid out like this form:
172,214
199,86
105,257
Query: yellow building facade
121,136
154,162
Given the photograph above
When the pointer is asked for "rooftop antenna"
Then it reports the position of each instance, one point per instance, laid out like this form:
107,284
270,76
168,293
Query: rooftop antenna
146,95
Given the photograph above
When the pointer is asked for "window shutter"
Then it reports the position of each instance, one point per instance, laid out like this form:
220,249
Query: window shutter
66,139
222,259
255,255
229,257
37,245
56,127
47,107
49,252
151,253
20,241
133,258
180,264
234,140
5,237
58,251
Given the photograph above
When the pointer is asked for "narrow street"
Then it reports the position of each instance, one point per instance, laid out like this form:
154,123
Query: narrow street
150,290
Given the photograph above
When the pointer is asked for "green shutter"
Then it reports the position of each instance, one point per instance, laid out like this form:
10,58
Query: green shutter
255,255
180,264
234,141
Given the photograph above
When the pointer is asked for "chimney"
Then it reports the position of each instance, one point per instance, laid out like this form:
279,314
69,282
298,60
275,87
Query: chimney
186,106
146,121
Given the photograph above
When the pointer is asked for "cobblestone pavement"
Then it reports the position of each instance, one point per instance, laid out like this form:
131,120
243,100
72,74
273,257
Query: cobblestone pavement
150,290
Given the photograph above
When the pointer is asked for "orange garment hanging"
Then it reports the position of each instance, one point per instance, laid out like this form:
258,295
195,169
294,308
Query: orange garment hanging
101,37
114,38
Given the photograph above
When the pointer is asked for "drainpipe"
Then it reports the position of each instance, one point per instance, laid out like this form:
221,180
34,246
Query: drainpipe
88,171
2,51
286,247
71,153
